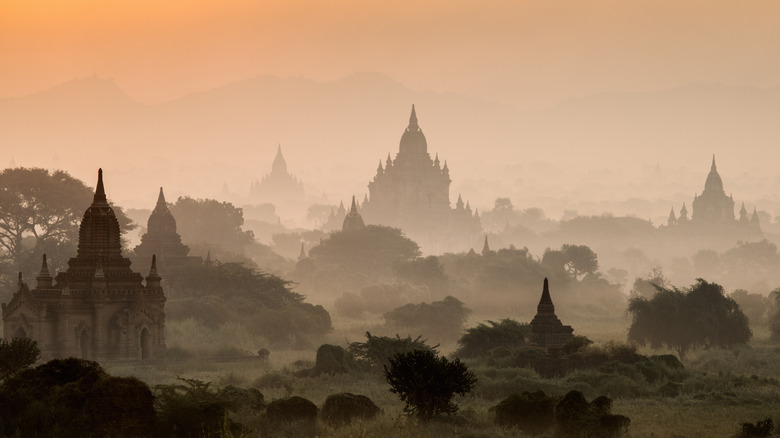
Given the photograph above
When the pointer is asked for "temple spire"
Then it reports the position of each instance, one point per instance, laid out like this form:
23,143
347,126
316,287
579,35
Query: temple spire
353,221
44,277
100,192
279,165
545,302
153,269
413,126
713,168
353,209
486,247
153,279
302,255
161,198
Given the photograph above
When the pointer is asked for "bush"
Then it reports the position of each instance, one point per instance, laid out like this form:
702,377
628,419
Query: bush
70,396
191,409
479,340
427,383
377,350
762,428
17,355
441,319
575,344
291,409
575,417
340,409
332,359
531,412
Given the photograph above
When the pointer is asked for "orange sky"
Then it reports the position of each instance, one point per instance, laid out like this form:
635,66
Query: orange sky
525,53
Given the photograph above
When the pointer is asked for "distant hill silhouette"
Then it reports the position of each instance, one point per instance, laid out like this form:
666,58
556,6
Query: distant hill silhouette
357,120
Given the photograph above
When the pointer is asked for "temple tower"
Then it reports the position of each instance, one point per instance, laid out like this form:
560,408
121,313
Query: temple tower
713,206
99,308
547,331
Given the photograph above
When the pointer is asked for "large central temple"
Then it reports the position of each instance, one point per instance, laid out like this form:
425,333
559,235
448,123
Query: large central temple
412,192
99,308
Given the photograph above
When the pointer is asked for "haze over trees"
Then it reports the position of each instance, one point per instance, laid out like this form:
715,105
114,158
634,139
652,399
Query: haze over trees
211,223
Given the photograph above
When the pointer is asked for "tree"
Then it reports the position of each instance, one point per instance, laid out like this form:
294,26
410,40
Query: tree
378,350
40,212
506,333
213,223
579,259
68,397
319,213
700,316
216,293
442,320
646,287
372,250
17,355
427,383
422,270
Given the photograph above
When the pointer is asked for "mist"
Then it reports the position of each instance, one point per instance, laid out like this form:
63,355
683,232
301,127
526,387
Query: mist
324,187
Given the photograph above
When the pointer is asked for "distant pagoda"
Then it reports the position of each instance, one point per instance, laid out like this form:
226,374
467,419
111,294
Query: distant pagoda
279,185
353,221
547,331
412,192
713,215
162,239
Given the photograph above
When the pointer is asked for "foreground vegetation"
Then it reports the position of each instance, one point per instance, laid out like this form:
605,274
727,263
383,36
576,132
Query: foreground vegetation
709,403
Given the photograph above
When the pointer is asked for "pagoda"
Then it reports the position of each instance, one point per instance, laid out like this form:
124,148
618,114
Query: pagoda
98,309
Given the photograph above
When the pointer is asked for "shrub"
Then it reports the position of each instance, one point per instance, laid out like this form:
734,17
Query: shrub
191,409
332,359
442,319
71,396
575,344
575,417
291,409
340,409
762,428
17,355
479,340
531,412
377,350
427,383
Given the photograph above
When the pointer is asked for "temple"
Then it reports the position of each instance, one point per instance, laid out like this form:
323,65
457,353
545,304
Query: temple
713,213
353,221
97,309
713,206
547,331
279,185
162,239
412,192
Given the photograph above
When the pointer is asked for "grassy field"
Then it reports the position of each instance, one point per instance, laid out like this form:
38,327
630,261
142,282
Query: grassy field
723,388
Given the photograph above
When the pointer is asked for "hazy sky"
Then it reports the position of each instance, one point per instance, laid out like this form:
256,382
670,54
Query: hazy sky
526,53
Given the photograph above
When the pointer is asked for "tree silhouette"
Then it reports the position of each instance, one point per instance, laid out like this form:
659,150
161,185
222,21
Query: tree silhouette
427,383
17,355
210,222
372,250
579,259
701,316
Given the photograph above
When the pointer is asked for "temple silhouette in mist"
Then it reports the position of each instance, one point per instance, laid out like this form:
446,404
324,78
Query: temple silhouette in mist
412,192
98,308
713,213
163,241
279,185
